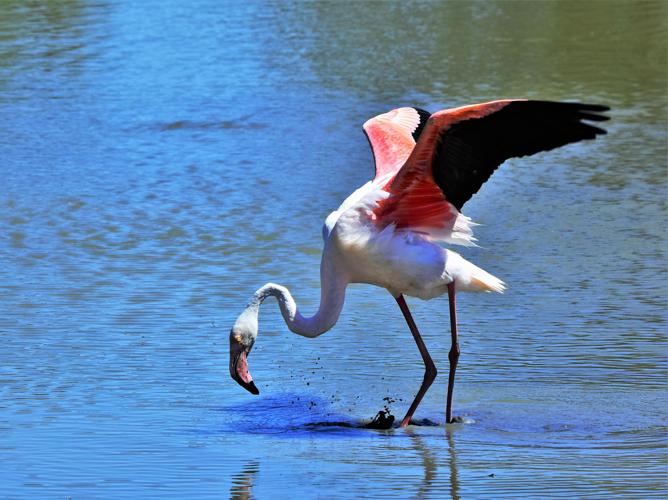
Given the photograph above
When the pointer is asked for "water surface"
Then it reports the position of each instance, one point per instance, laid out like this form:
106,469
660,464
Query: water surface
161,161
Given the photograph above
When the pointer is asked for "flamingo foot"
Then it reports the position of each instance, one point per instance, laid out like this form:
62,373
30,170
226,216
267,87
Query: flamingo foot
458,420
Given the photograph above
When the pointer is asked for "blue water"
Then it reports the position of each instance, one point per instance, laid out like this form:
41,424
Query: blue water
160,161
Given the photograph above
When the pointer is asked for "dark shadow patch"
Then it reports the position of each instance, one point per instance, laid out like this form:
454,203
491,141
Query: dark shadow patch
383,420
424,422
201,125
295,415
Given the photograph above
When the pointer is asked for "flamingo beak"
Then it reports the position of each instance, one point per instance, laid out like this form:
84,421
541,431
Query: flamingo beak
239,367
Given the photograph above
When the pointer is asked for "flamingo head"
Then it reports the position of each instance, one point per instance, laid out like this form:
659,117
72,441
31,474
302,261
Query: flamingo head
242,338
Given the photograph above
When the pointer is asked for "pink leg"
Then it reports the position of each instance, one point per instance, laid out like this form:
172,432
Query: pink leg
453,355
430,368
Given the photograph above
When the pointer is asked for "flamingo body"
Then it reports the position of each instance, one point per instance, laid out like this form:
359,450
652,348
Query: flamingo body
389,232
401,261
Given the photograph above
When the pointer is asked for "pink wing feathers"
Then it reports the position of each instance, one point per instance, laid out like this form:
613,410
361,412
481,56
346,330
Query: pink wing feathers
392,137
459,149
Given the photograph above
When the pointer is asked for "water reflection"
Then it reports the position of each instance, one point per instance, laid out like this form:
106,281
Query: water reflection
242,483
452,462
429,464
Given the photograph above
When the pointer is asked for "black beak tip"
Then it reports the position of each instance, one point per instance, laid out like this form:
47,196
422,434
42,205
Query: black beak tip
252,388
249,386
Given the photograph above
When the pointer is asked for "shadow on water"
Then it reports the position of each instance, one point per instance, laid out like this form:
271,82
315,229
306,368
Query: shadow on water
294,415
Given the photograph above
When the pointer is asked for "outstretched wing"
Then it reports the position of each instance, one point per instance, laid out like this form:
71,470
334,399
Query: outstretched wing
460,148
471,148
392,137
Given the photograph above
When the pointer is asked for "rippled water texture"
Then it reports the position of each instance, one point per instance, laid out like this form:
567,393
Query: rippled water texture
159,161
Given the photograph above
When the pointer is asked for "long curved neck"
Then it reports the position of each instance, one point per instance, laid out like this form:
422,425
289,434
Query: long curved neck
332,296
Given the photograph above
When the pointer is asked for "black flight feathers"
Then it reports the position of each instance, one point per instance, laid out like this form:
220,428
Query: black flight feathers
469,151
424,116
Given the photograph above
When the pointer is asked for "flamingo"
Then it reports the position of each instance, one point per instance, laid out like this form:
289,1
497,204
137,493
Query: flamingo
389,232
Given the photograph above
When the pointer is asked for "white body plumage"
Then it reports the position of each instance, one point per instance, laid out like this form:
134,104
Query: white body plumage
402,261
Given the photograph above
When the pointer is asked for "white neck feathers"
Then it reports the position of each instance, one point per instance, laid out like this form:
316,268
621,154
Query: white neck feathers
332,296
